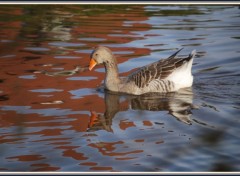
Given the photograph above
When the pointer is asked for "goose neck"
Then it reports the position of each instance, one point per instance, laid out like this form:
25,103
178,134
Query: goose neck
112,79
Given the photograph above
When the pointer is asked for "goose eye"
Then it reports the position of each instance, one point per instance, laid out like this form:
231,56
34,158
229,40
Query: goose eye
96,54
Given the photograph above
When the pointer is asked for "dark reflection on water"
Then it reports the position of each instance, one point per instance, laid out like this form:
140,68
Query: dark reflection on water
178,104
54,115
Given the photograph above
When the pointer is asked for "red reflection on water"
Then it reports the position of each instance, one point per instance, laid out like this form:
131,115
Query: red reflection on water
89,164
101,168
74,154
147,123
18,61
27,157
107,148
124,125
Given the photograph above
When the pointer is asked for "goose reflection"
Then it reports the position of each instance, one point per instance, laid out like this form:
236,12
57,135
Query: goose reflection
178,104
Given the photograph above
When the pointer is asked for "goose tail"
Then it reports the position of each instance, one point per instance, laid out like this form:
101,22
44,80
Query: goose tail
192,54
173,55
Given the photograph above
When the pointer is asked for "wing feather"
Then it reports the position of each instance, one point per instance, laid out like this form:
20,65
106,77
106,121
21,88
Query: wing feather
158,70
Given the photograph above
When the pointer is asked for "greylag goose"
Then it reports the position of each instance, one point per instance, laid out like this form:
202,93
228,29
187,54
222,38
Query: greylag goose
165,75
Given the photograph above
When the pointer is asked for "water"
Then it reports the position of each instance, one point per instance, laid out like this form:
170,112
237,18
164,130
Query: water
67,122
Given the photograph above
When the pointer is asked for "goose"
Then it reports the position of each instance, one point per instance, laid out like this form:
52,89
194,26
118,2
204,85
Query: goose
165,75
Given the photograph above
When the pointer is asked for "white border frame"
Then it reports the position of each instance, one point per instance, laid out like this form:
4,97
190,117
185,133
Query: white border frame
122,3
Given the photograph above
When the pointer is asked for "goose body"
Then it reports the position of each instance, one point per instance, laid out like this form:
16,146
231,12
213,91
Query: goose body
165,75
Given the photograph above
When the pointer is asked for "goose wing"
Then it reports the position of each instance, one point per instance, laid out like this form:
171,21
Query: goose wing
158,70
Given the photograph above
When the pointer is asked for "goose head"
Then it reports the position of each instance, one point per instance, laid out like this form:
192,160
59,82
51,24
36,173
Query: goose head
101,55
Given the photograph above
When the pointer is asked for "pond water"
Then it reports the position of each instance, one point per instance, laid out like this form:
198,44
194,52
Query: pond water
55,116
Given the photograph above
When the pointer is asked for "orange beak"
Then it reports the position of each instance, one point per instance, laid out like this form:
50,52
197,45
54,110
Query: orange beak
92,64
93,119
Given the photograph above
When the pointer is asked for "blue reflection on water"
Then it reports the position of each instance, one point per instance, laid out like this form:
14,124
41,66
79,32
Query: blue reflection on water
43,112
46,90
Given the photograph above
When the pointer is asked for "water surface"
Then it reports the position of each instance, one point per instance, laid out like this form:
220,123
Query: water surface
67,122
